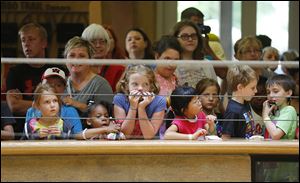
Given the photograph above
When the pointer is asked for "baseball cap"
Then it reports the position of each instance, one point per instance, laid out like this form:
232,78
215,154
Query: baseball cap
54,71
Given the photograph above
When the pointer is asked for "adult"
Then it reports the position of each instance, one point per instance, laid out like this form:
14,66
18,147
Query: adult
138,44
212,48
83,85
190,39
105,43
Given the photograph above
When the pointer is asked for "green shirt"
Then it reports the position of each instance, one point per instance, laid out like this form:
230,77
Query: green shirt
286,121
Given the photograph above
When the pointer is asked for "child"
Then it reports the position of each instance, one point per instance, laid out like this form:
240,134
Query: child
101,126
242,81
167,48
56,78
190,121
269,54
136,106
209,91
49,125
283,123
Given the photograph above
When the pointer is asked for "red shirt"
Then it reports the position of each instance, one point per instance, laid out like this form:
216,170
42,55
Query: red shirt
186,127
112,74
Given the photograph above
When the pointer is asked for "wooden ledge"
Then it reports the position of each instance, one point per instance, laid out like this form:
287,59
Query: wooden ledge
73,147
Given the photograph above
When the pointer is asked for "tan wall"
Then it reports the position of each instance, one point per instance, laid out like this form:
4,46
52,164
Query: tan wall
125,15
132,168
120,15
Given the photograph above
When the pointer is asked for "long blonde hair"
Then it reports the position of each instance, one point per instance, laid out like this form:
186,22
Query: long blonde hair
40,89
122,85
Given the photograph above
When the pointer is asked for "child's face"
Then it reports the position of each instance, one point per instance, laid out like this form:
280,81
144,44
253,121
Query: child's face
209,97
270,56
167,71
277,94
99,117
139,82
56,83
249,90
194,107
48,104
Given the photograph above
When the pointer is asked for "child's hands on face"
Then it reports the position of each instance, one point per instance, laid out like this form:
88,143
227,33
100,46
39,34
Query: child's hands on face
134,97
267,109
147,99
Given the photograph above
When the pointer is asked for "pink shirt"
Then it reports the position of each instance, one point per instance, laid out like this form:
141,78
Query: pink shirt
186,127
166,86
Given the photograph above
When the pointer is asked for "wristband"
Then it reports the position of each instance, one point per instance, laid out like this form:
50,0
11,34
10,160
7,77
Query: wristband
190,136
83,134
134,109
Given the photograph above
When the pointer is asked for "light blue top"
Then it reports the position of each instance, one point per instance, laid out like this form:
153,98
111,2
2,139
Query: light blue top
67,113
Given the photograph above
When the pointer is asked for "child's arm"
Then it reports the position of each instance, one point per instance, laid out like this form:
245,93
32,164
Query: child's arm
42,133
275,132
78,105
149,127
210,125
172,134
89,133
128,121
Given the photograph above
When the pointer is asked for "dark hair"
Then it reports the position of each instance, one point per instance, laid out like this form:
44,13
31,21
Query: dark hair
181,97
199,52
104,104
265,40
148,50
285,81
167,42
180,100
189,12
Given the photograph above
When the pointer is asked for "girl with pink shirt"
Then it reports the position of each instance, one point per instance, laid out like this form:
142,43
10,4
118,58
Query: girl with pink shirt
190,121
167,48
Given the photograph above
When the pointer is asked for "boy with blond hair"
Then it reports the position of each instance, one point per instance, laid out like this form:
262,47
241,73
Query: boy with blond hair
242,81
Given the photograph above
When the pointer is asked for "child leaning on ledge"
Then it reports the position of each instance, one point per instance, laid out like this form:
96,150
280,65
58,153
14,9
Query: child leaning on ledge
238,119
49,125
190,121
279,116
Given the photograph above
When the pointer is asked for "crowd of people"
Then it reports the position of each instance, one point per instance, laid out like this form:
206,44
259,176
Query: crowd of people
136,101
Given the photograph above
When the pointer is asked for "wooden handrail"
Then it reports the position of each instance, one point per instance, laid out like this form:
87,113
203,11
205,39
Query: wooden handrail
73,147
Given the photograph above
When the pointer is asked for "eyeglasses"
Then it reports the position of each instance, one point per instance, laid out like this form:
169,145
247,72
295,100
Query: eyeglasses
99,41
249,51
186,37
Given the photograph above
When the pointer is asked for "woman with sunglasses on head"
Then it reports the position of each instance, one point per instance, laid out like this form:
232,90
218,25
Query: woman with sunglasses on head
189,37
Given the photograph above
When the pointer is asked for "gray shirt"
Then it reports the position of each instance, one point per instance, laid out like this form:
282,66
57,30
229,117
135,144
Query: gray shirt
98,85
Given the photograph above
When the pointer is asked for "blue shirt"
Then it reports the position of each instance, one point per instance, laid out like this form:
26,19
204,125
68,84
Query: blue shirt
67,113
158,104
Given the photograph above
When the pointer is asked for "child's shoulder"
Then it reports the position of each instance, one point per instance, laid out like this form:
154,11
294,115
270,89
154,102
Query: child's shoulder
289,108
234,105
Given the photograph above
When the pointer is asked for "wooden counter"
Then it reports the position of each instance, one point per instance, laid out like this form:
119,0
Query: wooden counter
135,160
